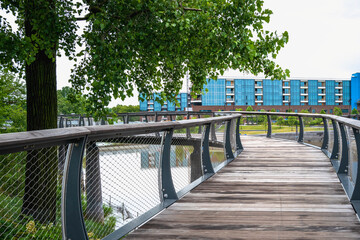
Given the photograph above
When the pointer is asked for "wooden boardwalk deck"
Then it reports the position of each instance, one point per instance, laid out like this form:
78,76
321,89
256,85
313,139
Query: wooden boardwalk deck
275,189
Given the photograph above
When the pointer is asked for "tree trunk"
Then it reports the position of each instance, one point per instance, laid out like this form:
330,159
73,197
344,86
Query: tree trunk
41,167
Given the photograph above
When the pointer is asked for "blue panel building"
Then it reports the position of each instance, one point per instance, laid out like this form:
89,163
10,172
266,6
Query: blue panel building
330,92
355,90
215,96
313,92
272,92
291,94
244,91
295,92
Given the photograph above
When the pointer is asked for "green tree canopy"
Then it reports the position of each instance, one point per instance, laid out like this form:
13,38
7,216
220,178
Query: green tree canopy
355,111
12,104
148,45
125,108
69,102
249,109
337,111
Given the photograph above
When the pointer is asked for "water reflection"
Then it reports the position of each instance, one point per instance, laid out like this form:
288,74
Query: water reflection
129,175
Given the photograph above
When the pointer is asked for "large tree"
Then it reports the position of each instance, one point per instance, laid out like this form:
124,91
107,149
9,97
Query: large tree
148,45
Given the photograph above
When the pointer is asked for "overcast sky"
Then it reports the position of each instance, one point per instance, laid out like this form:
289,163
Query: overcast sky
324,39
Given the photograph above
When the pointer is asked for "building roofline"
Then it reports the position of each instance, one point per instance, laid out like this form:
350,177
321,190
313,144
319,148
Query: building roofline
292,78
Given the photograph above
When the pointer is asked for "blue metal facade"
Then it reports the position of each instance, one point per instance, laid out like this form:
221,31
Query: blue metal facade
313,92
272,92
346,92
257,92
330,92
216,93
355,89
294,92
183,101
244,91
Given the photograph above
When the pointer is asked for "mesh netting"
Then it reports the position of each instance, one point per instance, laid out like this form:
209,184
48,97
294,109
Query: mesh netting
30,194
313,131
121,181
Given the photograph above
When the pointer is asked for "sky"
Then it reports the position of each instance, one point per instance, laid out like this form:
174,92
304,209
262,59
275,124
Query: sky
324,40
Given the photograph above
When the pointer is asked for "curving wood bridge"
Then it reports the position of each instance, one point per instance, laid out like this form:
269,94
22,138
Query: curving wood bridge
276,189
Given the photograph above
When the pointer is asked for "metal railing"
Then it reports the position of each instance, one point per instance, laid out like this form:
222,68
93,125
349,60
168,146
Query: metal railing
75,120
340,142
97,182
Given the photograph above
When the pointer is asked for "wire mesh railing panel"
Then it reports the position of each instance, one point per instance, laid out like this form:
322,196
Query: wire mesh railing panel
121,181
353,155
185,160
220,131
253,125
30,194
217,156
313,131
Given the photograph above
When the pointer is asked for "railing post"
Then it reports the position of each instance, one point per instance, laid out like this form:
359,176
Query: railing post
356,192
167,190
61,122
73,226
301,134
268,135
81,121
343,167
188,134
205,153
325,143
335,150
157,134
146,118
239,146
227,144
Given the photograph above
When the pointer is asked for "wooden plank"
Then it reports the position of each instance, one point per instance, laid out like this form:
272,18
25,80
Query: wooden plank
274,190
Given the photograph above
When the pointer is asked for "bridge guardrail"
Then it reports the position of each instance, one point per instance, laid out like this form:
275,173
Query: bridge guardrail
340,142
95,182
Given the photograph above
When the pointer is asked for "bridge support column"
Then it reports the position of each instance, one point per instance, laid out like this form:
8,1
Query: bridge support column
268,135
301,134
227,144
73,226
239,147
167,190
325,143
208,169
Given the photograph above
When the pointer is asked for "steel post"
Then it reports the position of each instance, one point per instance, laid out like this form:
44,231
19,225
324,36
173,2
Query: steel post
335,150
73,226
167,190
356,192
239,146
343,167
205,152
268,135
227,144
301,134
325,143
